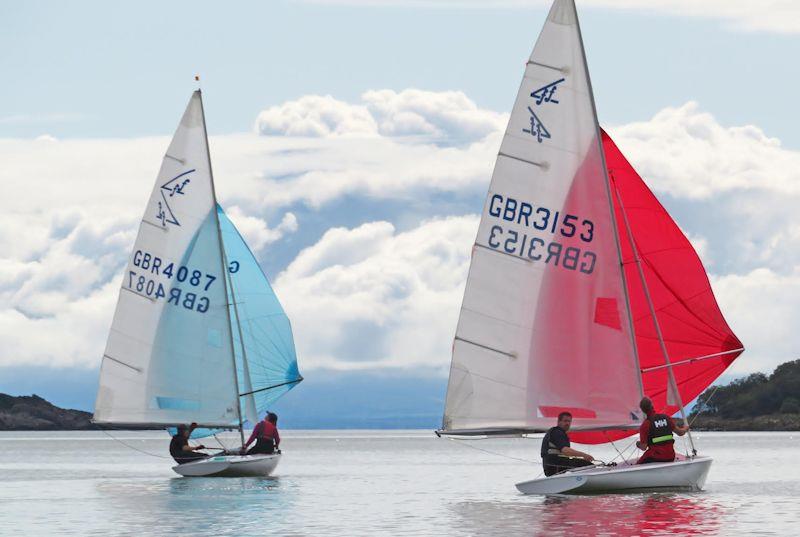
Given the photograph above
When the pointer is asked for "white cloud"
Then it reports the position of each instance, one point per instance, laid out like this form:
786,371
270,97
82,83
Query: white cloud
445,116
374,297
687,153
370,295
777,16
255,231
316,115
71,207
761,307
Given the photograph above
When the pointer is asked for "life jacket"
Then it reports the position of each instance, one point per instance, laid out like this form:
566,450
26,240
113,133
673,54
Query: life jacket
660,431
549,448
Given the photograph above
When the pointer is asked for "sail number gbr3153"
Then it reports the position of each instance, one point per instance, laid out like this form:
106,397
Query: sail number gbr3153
188,288
537,221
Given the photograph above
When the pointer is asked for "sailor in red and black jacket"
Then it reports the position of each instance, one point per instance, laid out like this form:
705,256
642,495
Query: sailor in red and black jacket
655,435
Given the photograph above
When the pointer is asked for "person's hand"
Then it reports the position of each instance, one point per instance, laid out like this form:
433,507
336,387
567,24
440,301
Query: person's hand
201,446
193,425
641,445
587,457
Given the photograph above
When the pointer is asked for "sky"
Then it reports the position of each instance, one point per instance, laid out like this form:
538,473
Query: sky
353,143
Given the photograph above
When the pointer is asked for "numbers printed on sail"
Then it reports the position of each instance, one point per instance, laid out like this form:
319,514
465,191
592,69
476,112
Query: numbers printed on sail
540,218
537,220
154,268
148,287
155,265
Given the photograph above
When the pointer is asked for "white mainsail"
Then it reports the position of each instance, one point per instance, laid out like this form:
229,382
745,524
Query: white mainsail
169,357
544,324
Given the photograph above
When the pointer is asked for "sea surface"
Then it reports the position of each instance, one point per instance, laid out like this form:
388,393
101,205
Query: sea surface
348,483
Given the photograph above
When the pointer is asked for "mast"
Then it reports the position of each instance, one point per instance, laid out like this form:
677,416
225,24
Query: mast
224,265
670,375
610,206
245,365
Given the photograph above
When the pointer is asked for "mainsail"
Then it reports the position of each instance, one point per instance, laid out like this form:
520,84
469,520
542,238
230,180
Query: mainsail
175,351
555,315
544,324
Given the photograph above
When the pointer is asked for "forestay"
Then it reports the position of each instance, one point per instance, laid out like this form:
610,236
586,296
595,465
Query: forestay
169,357
544,324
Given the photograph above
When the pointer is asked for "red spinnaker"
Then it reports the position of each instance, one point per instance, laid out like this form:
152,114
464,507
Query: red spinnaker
699,342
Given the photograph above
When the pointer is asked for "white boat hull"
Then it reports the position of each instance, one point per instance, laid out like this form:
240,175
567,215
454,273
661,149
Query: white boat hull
687,474
230,466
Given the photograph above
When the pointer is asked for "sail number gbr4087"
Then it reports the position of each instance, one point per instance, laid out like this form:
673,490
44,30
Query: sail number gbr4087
188,290
541,220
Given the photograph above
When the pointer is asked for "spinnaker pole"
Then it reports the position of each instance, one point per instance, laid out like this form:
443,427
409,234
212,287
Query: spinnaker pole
224,267
673,385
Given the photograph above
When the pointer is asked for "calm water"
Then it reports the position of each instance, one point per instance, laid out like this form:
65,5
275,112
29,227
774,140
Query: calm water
344,483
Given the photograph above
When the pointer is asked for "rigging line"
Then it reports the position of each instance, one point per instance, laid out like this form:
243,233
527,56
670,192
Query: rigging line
279,351
295,381
615,449
705,404
493,452
132,447
220,442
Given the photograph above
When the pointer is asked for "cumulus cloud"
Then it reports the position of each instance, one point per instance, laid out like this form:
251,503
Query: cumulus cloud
686,152
374,297
762,308
71,207
445,116
257,234
370,292
316,115
776,16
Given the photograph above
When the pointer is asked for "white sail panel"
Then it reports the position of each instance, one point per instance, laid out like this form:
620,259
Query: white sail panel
169,356
544,323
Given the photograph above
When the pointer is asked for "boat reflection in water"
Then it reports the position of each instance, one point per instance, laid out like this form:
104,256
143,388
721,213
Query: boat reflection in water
618,515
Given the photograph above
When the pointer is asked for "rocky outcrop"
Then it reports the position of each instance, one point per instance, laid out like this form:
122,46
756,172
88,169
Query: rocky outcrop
32,413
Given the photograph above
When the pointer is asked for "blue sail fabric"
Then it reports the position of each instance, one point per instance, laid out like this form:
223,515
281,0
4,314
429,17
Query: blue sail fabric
190,374
263,342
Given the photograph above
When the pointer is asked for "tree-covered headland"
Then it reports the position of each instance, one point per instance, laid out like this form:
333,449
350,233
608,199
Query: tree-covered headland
756,402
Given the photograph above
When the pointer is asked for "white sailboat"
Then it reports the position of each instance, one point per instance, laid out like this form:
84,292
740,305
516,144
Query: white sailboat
583,295
198,334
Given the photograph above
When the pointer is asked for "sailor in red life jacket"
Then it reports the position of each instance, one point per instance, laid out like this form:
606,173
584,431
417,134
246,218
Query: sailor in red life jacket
655,435
266,436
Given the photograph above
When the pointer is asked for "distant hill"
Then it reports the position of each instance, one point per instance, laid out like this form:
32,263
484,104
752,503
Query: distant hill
32,413
757,402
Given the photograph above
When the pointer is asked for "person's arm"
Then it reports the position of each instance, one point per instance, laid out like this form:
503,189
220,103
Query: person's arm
644,430
186,446
571,452
253,435
561,441
680,430
277,438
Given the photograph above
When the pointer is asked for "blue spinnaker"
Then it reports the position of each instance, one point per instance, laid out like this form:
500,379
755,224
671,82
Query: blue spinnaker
264,347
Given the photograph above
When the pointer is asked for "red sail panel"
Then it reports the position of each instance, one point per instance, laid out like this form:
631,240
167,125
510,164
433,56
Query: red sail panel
699,342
